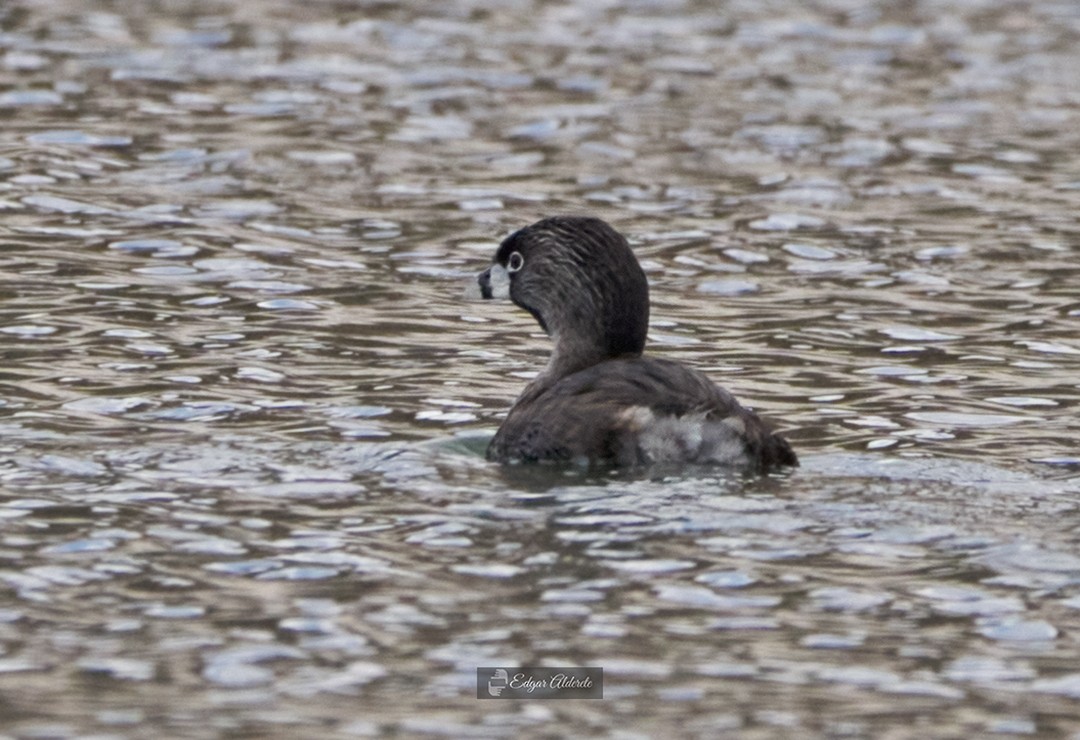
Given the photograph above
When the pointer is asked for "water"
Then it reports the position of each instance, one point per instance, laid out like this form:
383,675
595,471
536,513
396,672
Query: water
245,400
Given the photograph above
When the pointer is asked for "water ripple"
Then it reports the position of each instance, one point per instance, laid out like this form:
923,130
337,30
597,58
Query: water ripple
245,404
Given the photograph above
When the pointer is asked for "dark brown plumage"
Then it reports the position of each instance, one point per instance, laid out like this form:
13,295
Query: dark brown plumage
599,401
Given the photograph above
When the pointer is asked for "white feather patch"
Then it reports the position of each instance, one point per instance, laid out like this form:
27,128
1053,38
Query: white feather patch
689,438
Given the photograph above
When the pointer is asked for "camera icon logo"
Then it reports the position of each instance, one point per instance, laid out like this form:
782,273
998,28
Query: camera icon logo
498,682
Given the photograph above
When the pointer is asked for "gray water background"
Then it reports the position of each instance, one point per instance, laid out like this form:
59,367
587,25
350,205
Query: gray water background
244,398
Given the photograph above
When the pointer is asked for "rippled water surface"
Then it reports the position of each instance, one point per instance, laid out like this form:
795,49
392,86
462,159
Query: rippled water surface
243,398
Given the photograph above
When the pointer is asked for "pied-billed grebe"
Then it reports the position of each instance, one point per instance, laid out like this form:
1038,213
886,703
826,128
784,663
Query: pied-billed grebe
599,400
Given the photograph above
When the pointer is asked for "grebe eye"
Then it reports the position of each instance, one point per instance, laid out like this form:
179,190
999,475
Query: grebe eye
515,262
